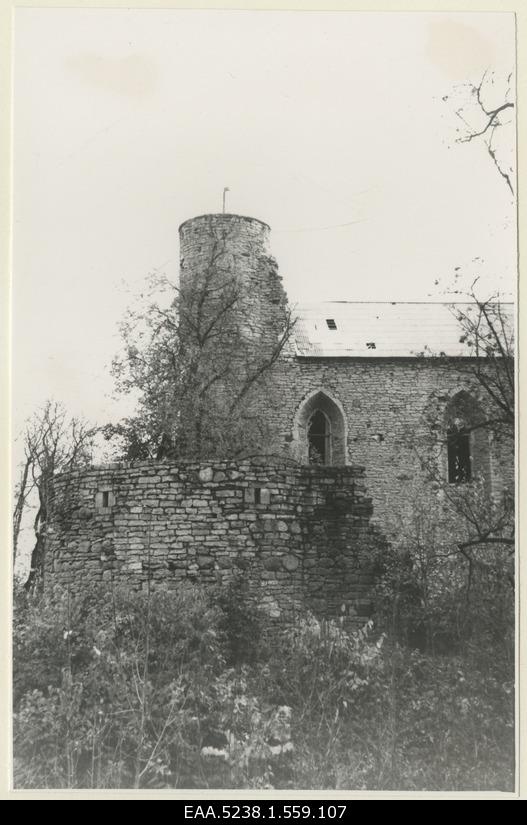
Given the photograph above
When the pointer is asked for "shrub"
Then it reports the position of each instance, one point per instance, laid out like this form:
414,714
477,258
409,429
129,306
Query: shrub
123,689
371,714
431,598
244,629
115,678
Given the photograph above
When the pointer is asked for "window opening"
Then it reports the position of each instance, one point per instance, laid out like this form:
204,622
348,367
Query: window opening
459,457
318,437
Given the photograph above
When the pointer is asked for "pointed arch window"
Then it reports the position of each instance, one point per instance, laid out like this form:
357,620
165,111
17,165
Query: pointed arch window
320,431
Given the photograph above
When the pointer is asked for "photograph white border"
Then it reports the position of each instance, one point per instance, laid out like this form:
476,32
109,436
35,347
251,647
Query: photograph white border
7,11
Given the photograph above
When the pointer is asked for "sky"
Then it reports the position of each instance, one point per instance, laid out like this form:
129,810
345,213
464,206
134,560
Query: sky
330,127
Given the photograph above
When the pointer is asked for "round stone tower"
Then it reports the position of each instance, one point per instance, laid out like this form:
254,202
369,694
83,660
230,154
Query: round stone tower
228,249
245,240
234,321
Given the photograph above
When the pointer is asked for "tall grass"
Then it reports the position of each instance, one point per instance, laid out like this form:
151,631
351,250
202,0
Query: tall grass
120,689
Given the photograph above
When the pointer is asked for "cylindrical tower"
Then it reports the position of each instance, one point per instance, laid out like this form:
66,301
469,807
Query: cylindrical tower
244,241
232,251
233,323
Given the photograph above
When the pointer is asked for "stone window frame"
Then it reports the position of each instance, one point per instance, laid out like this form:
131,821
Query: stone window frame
330,405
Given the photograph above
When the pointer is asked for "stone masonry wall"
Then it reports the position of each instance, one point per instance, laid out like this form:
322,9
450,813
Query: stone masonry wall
387,405
299,537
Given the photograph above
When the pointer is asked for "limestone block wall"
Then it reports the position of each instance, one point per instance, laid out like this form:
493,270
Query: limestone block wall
388,405
299,536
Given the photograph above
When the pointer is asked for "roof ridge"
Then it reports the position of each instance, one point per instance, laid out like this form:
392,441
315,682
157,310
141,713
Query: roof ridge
395,303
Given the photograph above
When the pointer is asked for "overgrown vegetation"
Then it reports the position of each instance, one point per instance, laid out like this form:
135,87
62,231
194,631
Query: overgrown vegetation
187,689
196,364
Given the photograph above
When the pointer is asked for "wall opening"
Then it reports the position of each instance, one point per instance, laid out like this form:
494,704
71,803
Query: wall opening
319,433
319,439
104,500
466,440
459,455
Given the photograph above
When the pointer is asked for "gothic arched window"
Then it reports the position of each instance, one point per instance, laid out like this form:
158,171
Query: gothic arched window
319,434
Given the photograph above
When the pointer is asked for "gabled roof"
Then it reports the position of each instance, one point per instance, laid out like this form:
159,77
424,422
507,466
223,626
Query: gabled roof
364,329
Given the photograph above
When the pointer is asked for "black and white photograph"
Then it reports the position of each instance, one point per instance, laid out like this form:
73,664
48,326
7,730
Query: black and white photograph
263,301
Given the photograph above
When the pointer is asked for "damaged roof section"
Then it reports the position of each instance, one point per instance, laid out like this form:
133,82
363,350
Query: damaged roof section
364,329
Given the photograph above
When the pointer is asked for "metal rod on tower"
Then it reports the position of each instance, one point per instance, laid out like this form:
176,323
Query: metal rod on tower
224,191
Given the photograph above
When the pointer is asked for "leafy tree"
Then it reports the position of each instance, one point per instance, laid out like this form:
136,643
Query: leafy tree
194,361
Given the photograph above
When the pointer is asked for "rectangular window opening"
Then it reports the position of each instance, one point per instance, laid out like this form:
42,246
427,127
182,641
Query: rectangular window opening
257,495
106,498
459,458
331,323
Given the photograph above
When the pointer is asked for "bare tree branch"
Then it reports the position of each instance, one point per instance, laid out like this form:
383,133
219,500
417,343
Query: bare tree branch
53,443
490,117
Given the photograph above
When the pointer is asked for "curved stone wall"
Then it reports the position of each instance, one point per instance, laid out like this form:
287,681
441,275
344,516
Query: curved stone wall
299,536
